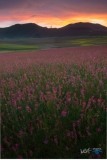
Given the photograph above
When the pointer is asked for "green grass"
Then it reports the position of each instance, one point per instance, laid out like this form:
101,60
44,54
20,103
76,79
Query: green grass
16,47
89,41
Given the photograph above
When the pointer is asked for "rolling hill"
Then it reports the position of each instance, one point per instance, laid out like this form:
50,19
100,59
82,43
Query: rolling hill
31,30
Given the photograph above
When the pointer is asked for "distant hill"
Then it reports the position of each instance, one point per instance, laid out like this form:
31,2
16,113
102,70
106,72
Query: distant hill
31,30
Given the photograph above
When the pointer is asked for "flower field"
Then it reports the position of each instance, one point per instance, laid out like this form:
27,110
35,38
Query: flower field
53,103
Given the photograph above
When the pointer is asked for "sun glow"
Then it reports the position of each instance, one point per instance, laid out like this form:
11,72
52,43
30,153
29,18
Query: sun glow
49,20
99,21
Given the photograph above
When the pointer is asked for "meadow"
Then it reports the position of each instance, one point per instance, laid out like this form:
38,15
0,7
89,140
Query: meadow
53,103
48,43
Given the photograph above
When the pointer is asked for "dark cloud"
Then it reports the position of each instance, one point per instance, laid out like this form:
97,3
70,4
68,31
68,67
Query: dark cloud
95,6
33,15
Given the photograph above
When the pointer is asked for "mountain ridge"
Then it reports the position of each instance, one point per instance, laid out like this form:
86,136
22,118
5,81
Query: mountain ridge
32,30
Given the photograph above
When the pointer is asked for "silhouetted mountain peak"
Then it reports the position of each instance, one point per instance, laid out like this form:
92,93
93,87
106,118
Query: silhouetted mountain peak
31,30
84,24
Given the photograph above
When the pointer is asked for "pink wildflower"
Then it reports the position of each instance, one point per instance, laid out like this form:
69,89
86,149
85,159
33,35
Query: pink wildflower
82,110
28,108
69,99
20,132
13,148
63,113
54,91
79,121
89,134
99,129
68,134
31,128
19,107
87,128
93,101
81,115
84,104
5,138
73,124
36,106
76,102
60,86
88,105
47,86
46,141
16,145
99,156
55,140
99,100
82,90
93,120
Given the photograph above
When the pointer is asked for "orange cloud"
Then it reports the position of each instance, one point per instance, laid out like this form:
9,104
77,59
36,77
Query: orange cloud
62,21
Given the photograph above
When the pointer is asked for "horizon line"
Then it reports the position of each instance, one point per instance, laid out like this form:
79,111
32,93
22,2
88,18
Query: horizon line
51,26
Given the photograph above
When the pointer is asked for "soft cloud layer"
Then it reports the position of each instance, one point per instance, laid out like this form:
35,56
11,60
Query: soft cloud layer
52,13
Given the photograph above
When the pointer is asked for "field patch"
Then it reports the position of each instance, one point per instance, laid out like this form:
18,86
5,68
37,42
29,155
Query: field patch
89,41
16,47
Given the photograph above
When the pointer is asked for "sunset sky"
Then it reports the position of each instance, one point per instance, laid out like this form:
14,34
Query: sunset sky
55,13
